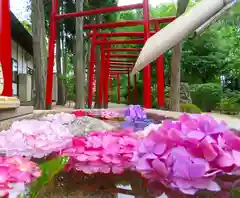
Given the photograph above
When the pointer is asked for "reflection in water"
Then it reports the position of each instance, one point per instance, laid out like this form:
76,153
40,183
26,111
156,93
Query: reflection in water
78,185
127,187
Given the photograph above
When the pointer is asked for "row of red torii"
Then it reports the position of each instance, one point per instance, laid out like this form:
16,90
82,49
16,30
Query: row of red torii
112,65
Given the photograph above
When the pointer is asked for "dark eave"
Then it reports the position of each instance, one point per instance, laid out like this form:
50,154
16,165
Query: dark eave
21,35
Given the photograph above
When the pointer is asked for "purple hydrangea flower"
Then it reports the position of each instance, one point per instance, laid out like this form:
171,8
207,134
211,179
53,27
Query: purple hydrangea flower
135,118
134,112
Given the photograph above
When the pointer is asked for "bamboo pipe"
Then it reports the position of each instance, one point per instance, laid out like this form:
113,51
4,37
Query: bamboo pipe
175,31
212,20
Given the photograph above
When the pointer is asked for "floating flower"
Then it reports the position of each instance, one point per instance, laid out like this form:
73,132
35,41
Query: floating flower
103,152
107,114
189,153
80,113
151,127
15,173
137,125
134,112
135,118
34,138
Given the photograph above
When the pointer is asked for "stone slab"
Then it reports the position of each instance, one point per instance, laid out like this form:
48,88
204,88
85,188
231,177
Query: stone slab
9,102
13,113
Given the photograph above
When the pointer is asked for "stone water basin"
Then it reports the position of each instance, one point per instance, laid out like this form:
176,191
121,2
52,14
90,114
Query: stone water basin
130,184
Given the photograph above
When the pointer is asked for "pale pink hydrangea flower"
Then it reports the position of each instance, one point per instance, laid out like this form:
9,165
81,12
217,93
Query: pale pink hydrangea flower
59,118
33,138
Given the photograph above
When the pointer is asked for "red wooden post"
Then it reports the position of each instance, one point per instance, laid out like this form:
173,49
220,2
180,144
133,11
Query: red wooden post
107,69
129,91
123,49
102,73
119,34
111,91
135,90
160,76
100,11
5,47
91,69
123,55
52,39
128,23
147,96
118,87
131,41
121,63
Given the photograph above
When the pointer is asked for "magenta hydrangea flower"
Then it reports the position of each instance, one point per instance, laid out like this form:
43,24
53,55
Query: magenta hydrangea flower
34,138
15,174
188,154
103,152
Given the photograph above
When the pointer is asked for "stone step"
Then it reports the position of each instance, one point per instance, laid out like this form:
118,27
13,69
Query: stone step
17,112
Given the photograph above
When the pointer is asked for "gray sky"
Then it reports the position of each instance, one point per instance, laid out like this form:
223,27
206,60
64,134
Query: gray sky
18,7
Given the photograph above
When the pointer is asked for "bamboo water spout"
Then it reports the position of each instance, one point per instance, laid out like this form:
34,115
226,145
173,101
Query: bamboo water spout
177,31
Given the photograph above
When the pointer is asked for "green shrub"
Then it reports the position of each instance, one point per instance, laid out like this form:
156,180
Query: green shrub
206,96
229,106
232,94
189,108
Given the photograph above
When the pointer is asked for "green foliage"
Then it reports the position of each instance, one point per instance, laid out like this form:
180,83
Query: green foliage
189,108
232,94
27,26
230,103
229,106
206,96
69,82
236,193
49,170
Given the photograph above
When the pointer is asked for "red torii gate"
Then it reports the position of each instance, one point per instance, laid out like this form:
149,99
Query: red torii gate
5,48
95,34
146,22
5,37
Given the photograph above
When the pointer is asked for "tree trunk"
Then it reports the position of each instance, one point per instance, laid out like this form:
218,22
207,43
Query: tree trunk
39,52
175,78
176,65
98,67
64,55
60,98
87,59
80,67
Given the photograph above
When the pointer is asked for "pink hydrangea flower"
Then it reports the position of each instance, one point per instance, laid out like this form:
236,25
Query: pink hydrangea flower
80,113
188,154
15,173
34,138
103,152
107,114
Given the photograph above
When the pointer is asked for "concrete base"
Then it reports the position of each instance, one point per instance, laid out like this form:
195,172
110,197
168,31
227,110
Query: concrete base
13,113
